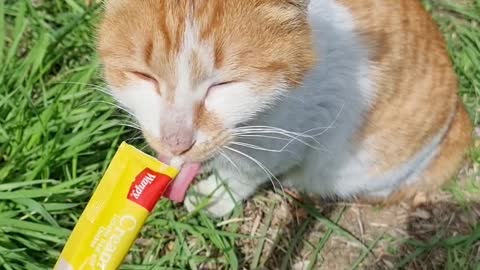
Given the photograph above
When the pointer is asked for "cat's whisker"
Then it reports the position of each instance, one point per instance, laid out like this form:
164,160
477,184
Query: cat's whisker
138,135
270,131
293,135
122,119
290,136
267,128
333,122
268,137
305,133
270,175
258,163
93,86
130,126
266,132
115,105
331,126
296,138
262,136
256,147
130,140
144,148
277,131
80,83
125,118
132,123
225,156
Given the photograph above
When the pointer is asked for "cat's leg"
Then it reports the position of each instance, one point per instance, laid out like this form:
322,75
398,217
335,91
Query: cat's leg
223,190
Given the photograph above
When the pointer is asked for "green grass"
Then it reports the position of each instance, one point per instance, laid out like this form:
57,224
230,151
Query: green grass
58,132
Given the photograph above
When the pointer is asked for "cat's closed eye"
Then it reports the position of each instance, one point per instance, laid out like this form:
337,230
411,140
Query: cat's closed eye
145,76
221,84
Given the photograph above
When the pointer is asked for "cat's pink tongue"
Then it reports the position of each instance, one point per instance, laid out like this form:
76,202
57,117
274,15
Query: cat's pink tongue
178,188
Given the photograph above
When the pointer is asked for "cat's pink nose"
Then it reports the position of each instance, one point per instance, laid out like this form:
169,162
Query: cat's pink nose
180,143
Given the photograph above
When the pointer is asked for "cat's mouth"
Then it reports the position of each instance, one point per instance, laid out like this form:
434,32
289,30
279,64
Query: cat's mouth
189,165
178,188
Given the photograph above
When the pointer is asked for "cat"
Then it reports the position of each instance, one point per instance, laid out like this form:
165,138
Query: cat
354,100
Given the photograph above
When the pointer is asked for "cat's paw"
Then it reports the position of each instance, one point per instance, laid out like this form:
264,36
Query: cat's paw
220,201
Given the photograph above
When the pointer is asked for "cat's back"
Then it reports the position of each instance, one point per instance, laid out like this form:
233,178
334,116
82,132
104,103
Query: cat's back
415,118
416,86
404,43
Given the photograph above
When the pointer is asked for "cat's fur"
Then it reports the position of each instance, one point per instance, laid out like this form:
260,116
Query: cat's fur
352,99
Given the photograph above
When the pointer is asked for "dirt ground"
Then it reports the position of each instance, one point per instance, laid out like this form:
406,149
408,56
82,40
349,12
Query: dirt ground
394,226
378,234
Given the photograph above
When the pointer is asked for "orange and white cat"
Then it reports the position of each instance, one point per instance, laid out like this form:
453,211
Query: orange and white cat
340,98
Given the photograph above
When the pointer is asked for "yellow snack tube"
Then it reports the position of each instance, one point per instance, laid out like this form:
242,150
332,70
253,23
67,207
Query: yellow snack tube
118,209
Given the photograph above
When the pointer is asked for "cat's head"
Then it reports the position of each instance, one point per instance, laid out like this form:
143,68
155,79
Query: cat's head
192,70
